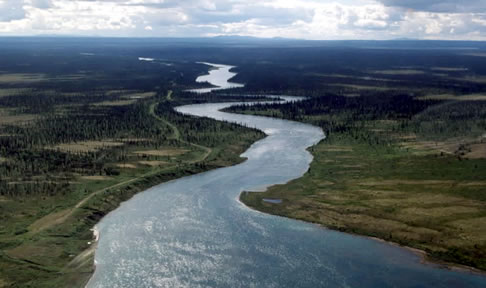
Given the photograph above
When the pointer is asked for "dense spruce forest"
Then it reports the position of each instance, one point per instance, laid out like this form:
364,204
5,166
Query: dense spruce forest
87,123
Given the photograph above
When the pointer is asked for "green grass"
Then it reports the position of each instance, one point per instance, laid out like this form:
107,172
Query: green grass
58,245
427,201
44,239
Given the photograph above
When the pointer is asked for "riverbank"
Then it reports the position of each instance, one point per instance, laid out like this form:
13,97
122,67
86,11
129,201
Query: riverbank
78,272
425,259
154,233
389,194
55,248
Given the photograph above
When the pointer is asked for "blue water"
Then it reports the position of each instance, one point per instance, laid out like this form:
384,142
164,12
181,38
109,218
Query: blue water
193,232
219,77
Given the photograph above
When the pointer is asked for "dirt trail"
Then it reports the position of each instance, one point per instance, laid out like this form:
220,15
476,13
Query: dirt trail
177,134
59,217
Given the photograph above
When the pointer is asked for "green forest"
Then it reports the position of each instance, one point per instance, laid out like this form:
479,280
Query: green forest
85,125
74,145
392,166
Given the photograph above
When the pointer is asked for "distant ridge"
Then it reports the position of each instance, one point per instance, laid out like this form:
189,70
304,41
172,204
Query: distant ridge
243,41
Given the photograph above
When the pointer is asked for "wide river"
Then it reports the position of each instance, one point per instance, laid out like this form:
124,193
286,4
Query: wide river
193,232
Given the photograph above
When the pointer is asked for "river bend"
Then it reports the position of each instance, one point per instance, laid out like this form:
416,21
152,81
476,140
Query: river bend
193,231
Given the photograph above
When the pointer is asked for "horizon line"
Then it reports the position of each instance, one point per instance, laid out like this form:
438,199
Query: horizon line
235,36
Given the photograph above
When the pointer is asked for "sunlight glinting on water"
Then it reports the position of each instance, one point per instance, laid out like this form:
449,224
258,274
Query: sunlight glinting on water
193,232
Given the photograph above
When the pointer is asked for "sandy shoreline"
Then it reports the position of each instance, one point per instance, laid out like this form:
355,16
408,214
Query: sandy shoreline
92,249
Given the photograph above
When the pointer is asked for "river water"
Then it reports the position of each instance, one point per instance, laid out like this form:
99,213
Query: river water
219,77
193,232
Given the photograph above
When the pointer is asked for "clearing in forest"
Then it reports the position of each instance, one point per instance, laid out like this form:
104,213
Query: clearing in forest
85,146
163,152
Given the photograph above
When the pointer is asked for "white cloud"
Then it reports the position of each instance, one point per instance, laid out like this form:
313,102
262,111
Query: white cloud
11,10
446,6
43,4
311,19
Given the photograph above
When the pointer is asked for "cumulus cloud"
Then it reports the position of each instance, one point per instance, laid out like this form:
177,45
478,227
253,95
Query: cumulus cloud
42,4
311,19
11,10
450,6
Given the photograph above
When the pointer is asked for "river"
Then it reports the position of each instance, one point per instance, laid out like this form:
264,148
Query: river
219,77
193,231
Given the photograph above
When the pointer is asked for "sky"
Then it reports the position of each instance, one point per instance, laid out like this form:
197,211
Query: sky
302,19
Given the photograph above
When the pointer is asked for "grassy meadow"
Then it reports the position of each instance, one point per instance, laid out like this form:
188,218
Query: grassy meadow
402,164
421,198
